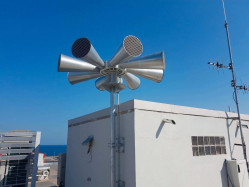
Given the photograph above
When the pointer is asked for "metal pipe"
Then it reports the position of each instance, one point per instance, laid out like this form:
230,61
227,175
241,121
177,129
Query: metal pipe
118,136
234,84
112,124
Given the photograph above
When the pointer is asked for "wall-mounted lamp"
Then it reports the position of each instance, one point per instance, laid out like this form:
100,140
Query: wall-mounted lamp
169,121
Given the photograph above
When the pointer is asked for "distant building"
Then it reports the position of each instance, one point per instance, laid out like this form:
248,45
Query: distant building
164,145
18,157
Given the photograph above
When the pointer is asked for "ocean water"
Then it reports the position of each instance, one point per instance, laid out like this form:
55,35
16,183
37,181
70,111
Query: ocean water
53,150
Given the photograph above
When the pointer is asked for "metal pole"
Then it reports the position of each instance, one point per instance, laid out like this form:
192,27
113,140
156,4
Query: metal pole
118,137
235,87
112,128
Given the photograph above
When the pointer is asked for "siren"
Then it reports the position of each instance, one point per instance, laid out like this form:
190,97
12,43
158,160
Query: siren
152,74
69,64
131,47
109,75
77,77
132,81
83,49
153,61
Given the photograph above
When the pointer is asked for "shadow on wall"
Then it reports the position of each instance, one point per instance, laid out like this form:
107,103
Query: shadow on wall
228,134
170,121
158,132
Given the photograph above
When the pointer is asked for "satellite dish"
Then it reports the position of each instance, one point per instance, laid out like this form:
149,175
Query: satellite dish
110,74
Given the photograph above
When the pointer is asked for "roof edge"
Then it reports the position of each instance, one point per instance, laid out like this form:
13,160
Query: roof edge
185,110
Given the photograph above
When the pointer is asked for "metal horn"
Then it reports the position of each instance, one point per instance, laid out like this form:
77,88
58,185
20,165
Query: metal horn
154,61
99,83
152,74
131,47
132,81
83,49
74,77
69,64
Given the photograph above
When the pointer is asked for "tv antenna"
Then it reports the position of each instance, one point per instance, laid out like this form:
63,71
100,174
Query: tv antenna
234,85
110,76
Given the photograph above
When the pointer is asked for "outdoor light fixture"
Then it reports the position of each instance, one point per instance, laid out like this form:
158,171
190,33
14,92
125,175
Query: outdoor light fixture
110,74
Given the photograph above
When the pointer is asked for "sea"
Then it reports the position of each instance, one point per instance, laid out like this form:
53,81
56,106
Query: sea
53,150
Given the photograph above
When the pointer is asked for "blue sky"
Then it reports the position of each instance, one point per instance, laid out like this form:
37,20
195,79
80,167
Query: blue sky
33,33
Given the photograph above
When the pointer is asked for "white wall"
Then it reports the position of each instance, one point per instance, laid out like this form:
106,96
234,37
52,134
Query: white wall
164,152
155,154
80,166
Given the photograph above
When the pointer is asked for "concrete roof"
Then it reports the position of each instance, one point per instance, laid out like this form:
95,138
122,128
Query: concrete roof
156,107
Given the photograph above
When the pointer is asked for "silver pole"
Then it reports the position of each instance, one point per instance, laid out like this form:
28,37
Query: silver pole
112,128
234,84
118,136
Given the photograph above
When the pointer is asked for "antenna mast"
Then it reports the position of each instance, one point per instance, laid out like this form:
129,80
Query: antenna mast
233,84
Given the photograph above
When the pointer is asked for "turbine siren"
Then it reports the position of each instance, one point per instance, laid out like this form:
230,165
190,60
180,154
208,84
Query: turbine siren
132,81
154,61
69,64
131,47
83,49
151,74
78,77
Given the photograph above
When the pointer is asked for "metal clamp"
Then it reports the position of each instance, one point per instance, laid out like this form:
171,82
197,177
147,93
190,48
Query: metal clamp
119,144
121,183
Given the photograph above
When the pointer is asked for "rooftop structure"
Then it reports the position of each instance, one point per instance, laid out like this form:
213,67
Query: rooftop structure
162,145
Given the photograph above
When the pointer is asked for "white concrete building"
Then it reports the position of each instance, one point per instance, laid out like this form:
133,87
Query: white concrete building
189,153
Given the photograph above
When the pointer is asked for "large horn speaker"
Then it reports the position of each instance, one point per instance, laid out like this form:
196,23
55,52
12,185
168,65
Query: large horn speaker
69,64
154,61
74,78
83,49
89,65
132,81
131,47
152,74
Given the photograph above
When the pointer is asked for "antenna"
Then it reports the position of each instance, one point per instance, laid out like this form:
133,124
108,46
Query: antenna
233,84
110,76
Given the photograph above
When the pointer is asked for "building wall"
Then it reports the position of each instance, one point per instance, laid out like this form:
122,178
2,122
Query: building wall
156,154
84,169
82,166
164,151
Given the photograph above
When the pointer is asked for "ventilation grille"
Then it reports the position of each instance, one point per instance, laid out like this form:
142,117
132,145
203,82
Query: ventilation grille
133,46
81,47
